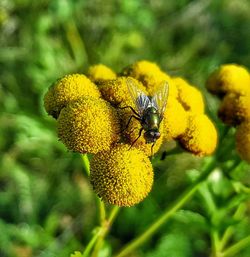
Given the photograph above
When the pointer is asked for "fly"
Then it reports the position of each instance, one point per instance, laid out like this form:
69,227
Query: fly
149,111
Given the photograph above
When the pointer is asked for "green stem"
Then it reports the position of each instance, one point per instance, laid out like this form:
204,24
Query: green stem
230,230
86,166
102,210
215,243
106,225
91,244
178,203
234,249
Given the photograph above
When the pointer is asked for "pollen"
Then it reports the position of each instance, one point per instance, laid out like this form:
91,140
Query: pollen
235,108
99,73
243,140
175,119
116,91
67,89
229,78
200,137
122,176
189,96
88,125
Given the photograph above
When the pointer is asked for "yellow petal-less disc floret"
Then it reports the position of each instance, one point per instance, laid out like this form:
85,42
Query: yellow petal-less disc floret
99,73
200,137
229,78
67,89
235,108
243,140
150,75
88,125
190,97
175,119
122,176
141,68
116,91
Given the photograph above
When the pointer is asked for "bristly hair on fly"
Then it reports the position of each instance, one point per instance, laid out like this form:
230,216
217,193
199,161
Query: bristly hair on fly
149,111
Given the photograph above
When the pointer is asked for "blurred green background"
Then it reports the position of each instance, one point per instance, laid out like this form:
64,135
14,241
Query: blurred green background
47,207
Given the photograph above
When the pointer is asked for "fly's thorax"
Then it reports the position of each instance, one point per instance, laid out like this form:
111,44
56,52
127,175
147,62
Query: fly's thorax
150,119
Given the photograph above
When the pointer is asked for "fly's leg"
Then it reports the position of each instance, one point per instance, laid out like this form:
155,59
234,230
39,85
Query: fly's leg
137,137
152,153
132,109
130,118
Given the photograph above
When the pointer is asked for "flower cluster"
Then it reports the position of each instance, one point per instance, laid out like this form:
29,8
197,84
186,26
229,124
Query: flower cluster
93,113
231,82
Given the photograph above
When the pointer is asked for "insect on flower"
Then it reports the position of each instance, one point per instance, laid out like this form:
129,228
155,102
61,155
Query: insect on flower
149,111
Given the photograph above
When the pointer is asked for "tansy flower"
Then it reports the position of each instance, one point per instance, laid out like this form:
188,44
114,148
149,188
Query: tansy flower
67,89
229,78
150,75
141,68
122,176
116,91
99,73
88,125
175,119
243,140
235,108
200,137
189,96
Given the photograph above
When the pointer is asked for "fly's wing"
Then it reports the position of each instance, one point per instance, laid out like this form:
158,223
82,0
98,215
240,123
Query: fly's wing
159,100
138,96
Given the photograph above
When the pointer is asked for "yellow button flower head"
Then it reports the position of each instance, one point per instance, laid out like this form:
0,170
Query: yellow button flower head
141,68
150,75
200,137
67,89
243,140
189,96
235,108
122,176
116,91
229,78
175,119
88,125
99,73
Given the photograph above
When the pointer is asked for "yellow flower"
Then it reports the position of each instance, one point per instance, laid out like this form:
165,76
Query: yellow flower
229,78
99,73
88,125
131,133
150,75
235,108
175,119
67,89
76,254
141,68
154,82
243,140
189,96
122,176
116,91
200,137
